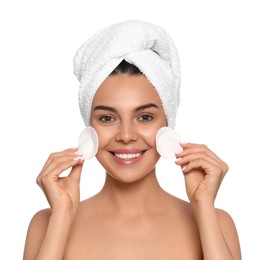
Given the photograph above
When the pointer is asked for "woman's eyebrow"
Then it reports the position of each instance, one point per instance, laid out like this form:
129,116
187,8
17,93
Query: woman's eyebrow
150,105
111,109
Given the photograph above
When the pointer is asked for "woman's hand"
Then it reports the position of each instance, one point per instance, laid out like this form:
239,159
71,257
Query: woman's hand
62,192
203,172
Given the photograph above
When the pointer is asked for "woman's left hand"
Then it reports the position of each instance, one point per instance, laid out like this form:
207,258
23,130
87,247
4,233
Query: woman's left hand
203,172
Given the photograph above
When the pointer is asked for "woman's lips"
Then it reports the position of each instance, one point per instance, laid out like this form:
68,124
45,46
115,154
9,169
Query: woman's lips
127,156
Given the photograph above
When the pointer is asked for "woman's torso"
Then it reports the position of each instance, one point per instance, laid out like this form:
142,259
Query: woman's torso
163,234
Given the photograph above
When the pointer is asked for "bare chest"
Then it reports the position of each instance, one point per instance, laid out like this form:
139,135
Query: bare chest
133,239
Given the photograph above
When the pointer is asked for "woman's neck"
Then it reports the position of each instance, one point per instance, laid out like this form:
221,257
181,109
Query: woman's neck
134,198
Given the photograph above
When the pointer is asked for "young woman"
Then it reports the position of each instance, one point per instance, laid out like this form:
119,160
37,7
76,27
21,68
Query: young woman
132,217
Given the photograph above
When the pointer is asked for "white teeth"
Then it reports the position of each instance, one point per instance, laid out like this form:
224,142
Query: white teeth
127,156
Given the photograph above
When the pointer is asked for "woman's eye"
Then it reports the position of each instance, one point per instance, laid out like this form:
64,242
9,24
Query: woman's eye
145,118
106,119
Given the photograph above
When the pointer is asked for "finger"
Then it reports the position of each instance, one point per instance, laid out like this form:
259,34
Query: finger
53,174
58,158
76,171
197,156
194,148
207,166
202,156
57,155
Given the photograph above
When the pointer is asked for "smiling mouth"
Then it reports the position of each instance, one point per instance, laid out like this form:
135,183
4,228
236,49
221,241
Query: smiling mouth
127,156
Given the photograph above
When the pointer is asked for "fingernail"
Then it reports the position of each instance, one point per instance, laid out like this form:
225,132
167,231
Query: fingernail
180,151
78,158
178,159
78,153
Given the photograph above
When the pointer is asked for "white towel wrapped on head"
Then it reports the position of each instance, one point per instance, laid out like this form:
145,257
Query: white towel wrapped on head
145,45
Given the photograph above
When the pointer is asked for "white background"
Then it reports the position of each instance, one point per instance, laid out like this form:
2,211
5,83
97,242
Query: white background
218,44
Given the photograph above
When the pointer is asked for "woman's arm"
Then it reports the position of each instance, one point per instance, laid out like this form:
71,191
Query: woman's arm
218,233
49,229
47,235
204,172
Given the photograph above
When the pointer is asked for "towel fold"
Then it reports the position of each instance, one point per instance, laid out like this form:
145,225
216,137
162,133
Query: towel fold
145,45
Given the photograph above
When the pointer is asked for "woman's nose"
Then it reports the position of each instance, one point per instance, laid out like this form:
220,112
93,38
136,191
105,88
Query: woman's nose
126,133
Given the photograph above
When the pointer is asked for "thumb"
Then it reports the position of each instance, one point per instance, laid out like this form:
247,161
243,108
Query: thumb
76,172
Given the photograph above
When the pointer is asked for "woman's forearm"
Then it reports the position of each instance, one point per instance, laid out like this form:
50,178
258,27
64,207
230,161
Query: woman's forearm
214,245
56,236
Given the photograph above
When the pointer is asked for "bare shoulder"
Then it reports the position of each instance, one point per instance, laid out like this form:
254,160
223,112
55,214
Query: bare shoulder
224,217
226,222
36,232
93,204
229,231
41,216
179,205
180,214
39,221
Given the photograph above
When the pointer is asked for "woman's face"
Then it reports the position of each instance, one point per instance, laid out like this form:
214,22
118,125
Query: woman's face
127,113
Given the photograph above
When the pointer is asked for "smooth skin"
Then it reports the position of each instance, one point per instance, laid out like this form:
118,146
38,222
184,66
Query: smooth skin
132,217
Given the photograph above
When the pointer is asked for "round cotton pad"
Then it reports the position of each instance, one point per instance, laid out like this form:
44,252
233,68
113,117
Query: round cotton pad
167,142
88,143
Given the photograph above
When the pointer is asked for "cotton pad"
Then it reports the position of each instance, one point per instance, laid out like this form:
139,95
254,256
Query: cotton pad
167,142
88,143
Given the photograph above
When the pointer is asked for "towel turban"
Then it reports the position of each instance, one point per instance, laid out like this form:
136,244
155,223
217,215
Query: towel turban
143,44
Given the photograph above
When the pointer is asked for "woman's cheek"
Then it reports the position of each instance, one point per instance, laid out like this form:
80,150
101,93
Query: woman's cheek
105,135
148,134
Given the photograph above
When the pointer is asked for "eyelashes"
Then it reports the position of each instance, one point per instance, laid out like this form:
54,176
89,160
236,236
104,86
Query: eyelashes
106,119
145,118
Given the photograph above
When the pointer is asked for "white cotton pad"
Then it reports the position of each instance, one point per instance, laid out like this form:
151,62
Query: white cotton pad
167,142
88,143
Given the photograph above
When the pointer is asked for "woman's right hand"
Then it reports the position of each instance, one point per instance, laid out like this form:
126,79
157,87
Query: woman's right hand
62,192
